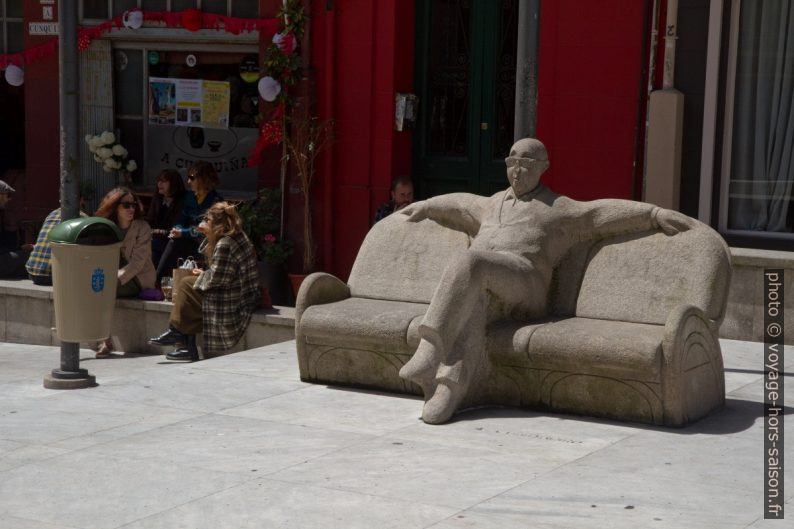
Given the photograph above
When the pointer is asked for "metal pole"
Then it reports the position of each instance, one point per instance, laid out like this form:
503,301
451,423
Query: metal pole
69,376
526,69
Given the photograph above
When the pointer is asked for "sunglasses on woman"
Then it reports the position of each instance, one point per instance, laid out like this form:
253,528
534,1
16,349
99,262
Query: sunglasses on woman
128,205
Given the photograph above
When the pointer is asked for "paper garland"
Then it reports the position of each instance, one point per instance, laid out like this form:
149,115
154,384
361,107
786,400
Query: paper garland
190,19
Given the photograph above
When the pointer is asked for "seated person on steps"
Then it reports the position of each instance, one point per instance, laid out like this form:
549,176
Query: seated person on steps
218,301
136,271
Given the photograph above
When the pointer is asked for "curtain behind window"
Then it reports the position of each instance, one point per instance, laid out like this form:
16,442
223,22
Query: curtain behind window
762,169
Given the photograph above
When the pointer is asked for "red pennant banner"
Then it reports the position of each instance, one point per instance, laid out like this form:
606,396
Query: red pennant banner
190,19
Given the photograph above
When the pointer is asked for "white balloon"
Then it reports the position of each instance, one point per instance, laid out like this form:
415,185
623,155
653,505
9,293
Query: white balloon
132,19
15,75
269,88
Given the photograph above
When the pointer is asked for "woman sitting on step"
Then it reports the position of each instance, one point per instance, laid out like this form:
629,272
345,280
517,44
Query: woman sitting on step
136,270
218,301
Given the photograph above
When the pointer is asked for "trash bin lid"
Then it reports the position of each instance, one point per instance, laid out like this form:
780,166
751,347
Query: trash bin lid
92,231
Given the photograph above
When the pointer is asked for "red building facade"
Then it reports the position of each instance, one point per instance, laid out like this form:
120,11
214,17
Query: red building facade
592,84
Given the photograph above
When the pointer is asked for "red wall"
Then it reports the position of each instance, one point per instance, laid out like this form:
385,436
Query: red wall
590,95
362,52
41,189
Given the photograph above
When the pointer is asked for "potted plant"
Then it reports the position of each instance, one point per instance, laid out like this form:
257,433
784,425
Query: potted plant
308,137
261,221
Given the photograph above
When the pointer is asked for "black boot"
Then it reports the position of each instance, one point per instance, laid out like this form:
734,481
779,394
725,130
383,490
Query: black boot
189,353
169,337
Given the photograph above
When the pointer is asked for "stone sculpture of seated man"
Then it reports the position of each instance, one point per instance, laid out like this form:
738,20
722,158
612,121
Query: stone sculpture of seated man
518,237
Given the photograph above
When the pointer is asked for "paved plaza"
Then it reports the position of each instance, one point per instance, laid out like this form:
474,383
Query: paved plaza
239,442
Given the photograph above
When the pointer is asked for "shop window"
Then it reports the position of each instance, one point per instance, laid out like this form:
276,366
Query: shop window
181,5
103,9
219,7
245,9
11,26
119,6
758,145
154,5
95,9
14,8
158,129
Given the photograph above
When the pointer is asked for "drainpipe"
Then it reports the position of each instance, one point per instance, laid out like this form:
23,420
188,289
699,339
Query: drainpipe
665,127
526,70
670,36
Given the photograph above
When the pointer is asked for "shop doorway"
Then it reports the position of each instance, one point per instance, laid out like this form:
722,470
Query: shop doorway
12,132
466,83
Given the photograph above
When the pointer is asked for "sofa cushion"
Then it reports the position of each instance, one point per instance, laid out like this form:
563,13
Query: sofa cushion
612,349
642,277
360,322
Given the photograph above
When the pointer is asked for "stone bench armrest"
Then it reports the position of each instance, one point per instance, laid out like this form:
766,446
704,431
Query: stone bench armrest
317,289
691,360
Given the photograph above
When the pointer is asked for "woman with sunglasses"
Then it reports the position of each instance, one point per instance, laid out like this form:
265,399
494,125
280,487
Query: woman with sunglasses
166,206
202,180
218,301
136,271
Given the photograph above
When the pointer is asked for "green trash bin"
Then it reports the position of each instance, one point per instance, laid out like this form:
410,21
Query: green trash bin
85,263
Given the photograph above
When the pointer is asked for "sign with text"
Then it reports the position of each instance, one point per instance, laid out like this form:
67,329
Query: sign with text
42,28
177,147
193,102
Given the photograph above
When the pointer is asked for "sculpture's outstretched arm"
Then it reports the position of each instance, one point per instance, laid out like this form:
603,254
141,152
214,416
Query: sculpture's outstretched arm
458,211
610,217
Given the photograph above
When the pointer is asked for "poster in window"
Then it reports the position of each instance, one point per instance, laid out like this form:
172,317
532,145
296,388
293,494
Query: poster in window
189,102
162,101
215,104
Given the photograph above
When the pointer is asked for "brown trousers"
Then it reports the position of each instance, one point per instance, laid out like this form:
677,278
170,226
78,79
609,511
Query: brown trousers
186,316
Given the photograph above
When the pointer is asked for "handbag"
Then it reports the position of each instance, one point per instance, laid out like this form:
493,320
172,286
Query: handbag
184,269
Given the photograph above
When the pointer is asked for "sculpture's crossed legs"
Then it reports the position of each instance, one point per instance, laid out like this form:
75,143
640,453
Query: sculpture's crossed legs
450,361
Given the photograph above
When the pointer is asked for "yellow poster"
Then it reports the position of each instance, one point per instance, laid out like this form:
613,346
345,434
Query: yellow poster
215,104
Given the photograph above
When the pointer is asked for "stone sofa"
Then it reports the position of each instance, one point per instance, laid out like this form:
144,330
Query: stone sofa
631,332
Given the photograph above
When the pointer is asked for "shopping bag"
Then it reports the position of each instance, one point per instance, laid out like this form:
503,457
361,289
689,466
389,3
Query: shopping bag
185,269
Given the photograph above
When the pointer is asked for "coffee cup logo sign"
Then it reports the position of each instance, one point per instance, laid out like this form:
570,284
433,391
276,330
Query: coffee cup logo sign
227,150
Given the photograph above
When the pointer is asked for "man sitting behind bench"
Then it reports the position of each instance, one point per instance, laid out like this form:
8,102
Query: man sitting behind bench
38,266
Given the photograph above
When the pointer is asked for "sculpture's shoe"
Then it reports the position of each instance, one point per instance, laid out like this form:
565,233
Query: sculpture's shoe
420,369
443,404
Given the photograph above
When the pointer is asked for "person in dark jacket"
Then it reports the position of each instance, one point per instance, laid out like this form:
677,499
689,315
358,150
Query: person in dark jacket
184,236
164,211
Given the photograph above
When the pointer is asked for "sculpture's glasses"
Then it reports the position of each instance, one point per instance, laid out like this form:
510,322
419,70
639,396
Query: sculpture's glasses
524,163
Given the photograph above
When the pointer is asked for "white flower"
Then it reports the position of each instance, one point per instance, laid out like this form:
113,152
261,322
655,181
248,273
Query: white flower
97,158
131,165
118,150
116,165
96,142
108,138
91,147
88,138
107,169
104,153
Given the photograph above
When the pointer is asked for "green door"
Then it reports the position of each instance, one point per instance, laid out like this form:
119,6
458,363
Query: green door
465,80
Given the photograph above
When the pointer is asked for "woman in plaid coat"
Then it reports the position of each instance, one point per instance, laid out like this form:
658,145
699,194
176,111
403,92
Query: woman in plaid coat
217,301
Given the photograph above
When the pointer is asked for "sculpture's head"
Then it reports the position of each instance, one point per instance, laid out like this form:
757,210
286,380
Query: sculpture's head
527,161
